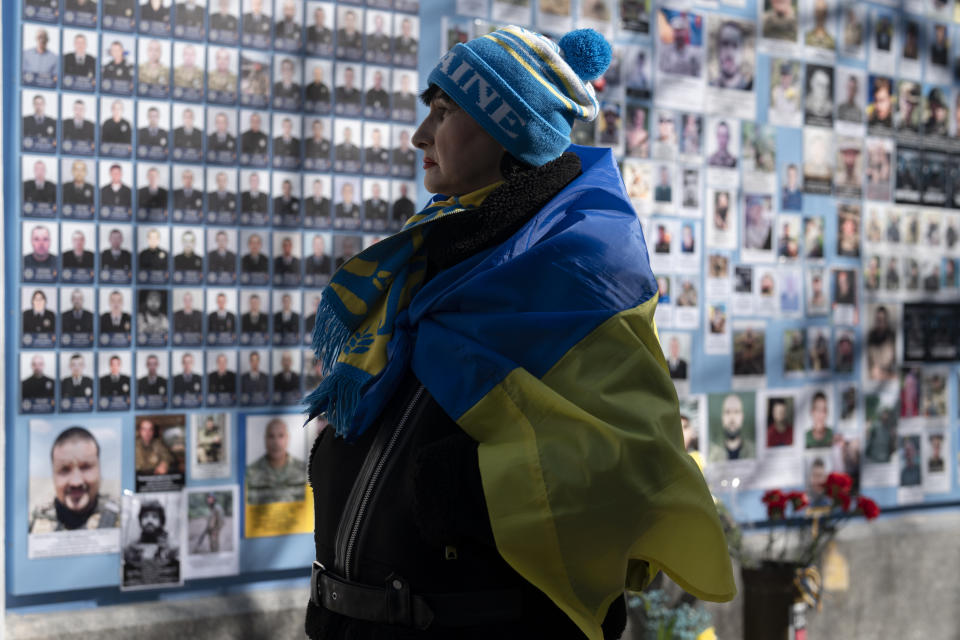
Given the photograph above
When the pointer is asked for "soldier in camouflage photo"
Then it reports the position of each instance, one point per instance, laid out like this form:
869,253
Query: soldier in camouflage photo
277,475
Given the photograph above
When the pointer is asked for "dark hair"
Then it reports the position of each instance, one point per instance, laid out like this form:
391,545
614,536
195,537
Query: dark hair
74,433
156,507
819,395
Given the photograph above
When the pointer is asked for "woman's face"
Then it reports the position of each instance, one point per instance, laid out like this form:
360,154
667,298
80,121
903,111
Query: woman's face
459,156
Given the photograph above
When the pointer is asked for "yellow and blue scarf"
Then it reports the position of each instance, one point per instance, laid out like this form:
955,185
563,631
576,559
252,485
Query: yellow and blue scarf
544,350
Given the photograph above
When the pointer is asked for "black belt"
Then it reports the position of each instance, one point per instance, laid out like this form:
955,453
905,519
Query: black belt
395,604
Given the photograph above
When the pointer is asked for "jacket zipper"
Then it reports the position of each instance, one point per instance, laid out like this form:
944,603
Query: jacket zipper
346,544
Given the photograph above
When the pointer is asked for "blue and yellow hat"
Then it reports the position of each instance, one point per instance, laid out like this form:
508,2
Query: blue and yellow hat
523,88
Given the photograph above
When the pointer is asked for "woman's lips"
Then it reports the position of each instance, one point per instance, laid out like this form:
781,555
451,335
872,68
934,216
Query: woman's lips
427,163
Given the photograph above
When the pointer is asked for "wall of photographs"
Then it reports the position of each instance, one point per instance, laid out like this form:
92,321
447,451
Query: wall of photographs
187,175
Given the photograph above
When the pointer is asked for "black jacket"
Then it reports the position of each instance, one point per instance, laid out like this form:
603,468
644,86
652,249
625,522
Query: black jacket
426,520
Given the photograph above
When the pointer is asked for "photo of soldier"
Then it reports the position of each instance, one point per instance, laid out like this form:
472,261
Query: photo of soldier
37,371
116,259
254,202
76,317
404,97
155,17
377,97
212,445
848,179
346,204
848,230
40,121
908,118
286,318
187,382
187,194
779,20
254,379
254,264
318,265
938,69
312,302
40,188
348,100
222,258
74,478
151,540
908,178
221,378
38,327
319,34
344,248
818,103
210,526
224,24
257,23
376,157
346,152
118,15
850,88
936,116
187,320
40,260
880,109
275,470
153,261
732,426
153,325
317,145
349,37
731,56
254,79
286,263
187,257
406,41
818,160
160,450
77,261
402,207
287,145
822,35
153,73
286,204
188,71
288,86
379,41
116,196
254,317
254,138
748,352
153,134
222,136
853,27
79,65
153,195
312,371
40,62
316,206
152,380
317,90
188,19
115,382
933,186
222,325
116,132
222,197
222,80
117,74
78,131
76,387
376,209
286,377
288,30
724,143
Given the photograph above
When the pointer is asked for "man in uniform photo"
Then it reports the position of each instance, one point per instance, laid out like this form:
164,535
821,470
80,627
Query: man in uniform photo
152,456
153,70
152,319
287,86
186,197
114,384
38,318
317,90
319,34
188,260
253,201
404,156
220,139
254,261
76,385
317,205
286,204
223,20
680,58
402,207
152,135
210,442
780,21
77,501
187,136
254,381
40,61
376,153
276,476
78,191
188,75
850,109
190,15
286,322
375,208
222,78
255,22
117,68
188,319
347,209
319,262
404,100
116,194
317,145
153,258
152,195
116,257
348,37
78,128
377,98
286,144
39,189
40,257
405,45
78,257
154,11
39,124
152,384
348,96
76,319
215,522
221,379
221,259
38,385
286,263
188,381
378,42
221,320
288,27
253,141
347,151
115,320
736,444
221,200
722,156
116,130
80,63
286,380
151,559
254,320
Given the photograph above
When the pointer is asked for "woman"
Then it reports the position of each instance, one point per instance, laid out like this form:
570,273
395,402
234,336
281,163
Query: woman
494,383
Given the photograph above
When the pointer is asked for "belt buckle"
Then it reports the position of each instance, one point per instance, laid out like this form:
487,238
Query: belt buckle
316,571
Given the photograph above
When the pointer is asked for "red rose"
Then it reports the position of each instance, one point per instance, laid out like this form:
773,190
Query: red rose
776,503
843,500
868,507
798,499
838,487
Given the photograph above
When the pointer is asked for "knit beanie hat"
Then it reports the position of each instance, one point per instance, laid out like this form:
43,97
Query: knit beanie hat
523,88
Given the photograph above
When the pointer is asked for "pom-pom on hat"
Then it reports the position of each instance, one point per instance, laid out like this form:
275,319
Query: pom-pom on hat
525,89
